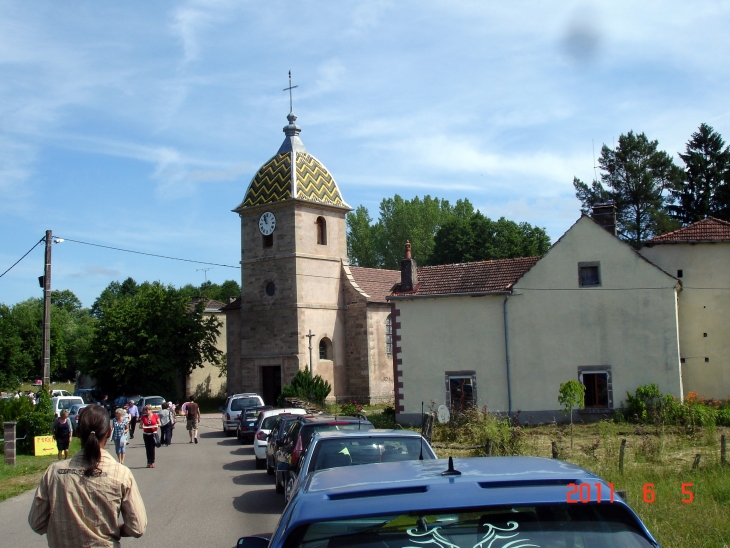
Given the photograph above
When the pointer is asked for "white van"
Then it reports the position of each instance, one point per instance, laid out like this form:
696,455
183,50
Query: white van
65,402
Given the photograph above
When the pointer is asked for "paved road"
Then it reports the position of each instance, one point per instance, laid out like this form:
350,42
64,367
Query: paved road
198,495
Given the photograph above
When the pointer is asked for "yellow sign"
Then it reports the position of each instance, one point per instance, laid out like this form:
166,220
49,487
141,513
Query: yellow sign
44,446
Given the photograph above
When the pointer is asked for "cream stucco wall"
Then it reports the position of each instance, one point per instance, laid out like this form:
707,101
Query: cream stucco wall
628,323
204,381
704,312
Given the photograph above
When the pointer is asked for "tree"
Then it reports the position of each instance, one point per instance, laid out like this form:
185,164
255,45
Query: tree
148,340
478,238
303,385
637,178
114,291
15,364
571,395
705,188
361,239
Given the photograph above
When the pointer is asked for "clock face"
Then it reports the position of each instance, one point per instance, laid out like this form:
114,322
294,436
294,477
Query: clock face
267,223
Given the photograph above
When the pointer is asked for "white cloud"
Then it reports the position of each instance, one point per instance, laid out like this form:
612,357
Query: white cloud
95,271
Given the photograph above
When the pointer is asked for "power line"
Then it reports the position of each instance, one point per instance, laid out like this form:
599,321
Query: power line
23,257
148,254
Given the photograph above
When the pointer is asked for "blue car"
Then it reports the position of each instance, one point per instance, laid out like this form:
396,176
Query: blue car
490,502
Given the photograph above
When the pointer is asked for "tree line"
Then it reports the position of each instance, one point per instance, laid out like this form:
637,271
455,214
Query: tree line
652,194
135,337
439,233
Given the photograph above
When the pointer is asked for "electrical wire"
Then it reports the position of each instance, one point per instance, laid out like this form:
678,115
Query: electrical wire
148,254
23,257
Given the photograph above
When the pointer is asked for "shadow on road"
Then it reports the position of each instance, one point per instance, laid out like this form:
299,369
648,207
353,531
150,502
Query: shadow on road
243,451
262,501
254,479
240,465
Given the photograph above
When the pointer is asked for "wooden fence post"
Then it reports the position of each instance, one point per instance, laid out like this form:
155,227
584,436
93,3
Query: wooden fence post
555,449
9,435
427,426
696,463
723,450
621,452
488,448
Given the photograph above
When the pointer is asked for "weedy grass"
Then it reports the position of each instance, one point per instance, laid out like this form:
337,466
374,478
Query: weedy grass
27,471
658,464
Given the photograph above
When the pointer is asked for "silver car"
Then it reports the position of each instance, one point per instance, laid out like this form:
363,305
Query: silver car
348,448
73,414
232,410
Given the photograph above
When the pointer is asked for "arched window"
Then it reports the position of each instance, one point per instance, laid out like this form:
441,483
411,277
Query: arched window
325,349
388,336
321,231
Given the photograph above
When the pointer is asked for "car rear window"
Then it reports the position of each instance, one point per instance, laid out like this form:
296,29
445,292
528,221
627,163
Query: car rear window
66,403
334,453
556,525
269,422
308,430
242,403
154,401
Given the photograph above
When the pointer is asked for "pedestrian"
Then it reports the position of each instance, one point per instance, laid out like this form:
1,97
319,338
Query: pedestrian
150,425
120,428
77,501
105,403
165,424
192,413
173,420
133,413
62,432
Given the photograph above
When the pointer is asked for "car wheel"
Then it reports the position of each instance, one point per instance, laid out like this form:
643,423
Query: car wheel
269,469
260,463
279,486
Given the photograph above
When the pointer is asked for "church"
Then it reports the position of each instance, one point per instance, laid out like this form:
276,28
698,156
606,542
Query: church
302,305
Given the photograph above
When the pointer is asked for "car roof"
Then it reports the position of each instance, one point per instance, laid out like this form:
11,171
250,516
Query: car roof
374,433
284,411
420,485
311,419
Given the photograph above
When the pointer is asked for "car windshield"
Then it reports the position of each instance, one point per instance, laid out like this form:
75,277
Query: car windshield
544,526
154,401
242,403
334,453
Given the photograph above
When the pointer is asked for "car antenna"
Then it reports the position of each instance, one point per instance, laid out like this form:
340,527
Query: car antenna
450,470
420,457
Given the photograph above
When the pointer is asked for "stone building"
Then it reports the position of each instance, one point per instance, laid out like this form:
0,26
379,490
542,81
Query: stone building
301,304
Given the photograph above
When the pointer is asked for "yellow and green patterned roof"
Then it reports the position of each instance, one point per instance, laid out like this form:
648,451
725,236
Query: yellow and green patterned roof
276,181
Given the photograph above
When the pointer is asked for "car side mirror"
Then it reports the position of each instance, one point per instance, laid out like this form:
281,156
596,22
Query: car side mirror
253,542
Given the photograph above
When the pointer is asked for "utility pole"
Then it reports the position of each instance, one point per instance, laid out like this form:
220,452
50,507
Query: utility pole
311,367
46,349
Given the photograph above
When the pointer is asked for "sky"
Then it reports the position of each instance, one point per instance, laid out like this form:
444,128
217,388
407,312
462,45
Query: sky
139,125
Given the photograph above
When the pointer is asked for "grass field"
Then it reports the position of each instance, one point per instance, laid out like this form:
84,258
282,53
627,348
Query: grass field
657,463
27,472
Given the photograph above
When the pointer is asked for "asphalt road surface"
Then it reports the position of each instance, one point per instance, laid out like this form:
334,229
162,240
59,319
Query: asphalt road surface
208,494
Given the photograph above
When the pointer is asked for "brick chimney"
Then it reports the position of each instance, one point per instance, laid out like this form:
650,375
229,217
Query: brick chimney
408,270
605,215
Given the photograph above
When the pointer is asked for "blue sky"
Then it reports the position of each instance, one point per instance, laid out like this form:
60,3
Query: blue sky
140,124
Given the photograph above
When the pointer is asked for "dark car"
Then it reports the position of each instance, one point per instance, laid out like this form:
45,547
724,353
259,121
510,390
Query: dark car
300,434
248,421
336,449
276,438
494,502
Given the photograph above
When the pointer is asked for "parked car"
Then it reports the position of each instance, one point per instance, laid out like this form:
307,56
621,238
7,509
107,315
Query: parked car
276,438
233,407
247,421
60,393
65,402
122,401
155,403
89,395
74,412
267,420
300,434
490,501
336,449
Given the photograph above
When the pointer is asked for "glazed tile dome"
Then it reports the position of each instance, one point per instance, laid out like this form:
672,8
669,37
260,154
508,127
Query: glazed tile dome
276,181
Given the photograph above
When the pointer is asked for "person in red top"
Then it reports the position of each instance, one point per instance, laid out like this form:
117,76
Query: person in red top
150,425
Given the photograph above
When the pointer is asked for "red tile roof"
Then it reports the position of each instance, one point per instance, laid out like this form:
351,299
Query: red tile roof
706,230
375,282
479,277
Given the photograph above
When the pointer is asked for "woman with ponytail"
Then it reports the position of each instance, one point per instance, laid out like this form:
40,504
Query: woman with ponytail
77,501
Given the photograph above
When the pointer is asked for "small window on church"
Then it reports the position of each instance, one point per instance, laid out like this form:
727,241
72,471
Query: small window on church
321,231
388,336
325,349
269,240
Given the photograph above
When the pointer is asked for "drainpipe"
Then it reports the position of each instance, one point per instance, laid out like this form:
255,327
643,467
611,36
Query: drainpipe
506,354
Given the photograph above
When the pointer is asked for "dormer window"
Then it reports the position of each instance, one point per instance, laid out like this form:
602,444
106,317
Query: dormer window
321,231
589,274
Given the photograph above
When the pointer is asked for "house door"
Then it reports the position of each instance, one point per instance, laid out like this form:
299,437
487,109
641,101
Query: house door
271,383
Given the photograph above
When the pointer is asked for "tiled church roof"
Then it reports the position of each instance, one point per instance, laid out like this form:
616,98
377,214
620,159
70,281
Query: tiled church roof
376,283
707,230
478,277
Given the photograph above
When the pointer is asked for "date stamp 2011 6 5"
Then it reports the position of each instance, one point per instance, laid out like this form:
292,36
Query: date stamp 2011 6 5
583,493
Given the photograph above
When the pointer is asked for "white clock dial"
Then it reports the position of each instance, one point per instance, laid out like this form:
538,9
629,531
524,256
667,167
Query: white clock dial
267,223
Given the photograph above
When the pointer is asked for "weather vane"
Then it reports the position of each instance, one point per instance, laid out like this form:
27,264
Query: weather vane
291,108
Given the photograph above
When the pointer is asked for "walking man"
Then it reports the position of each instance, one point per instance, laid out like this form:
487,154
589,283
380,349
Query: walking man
133,413
192,412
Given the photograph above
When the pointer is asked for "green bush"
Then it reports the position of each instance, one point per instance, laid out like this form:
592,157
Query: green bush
384,419
12,409
350,408
35,422
303,385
